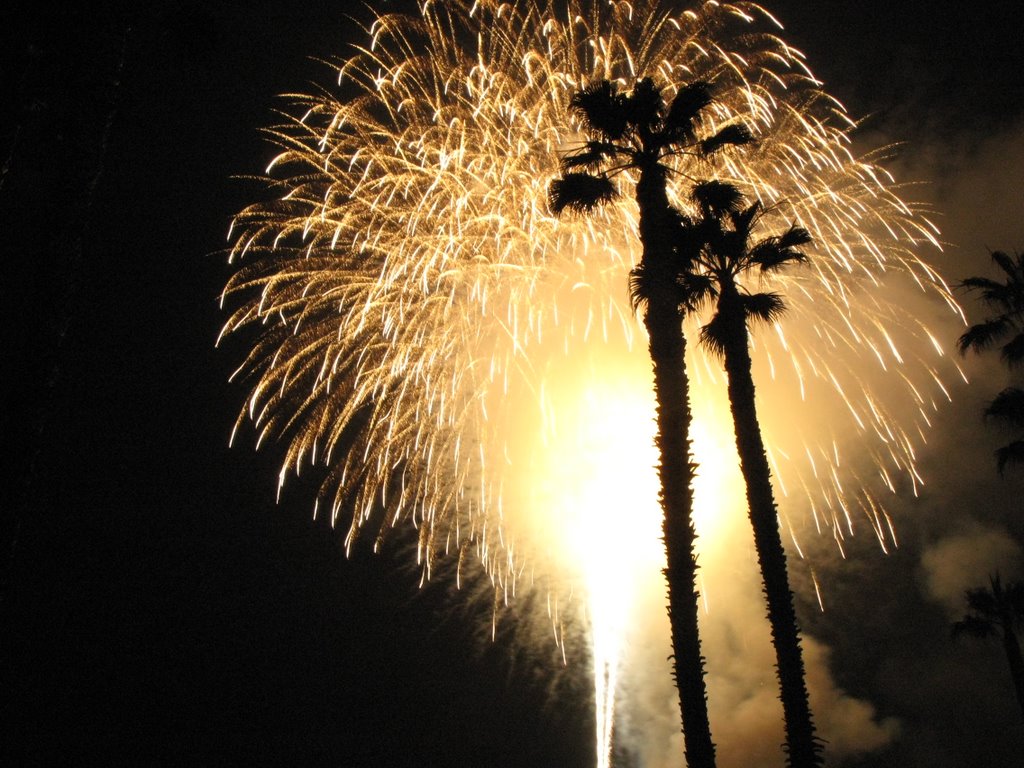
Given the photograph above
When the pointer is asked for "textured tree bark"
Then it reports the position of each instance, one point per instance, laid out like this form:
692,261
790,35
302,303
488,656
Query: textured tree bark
803,749
663,320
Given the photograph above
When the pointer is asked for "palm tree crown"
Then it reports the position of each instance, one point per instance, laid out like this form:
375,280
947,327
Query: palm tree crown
1005,328
636,131
992,608
998,610
728,255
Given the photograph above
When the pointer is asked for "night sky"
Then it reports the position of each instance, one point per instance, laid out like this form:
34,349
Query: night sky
158,607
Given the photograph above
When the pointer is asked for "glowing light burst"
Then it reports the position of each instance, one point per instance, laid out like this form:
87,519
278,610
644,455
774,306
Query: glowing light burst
462,362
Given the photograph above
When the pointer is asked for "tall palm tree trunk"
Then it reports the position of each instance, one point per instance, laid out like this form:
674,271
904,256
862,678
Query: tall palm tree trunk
663,320
802,747
1012,648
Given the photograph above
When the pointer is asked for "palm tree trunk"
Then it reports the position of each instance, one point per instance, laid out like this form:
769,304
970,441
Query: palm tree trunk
663,320
1012,648
802,746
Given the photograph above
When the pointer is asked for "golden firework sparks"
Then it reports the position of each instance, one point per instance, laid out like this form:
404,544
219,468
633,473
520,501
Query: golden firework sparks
457,358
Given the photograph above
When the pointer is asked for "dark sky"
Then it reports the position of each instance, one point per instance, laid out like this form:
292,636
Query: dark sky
159,608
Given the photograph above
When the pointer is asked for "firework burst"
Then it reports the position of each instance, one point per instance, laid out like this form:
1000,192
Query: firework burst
421,324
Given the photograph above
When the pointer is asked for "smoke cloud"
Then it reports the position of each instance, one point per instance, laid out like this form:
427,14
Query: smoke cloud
742,688
961,562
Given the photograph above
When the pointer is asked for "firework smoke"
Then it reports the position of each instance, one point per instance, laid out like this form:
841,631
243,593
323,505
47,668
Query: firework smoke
462,363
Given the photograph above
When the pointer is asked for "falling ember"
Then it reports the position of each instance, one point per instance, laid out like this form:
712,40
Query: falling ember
466,365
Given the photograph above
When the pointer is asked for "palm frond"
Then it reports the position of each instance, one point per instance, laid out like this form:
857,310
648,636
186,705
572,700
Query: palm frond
716,198
640,286
1007,407
580,192
644,105
602,108
1007,297
734,135
794,237
764,307
777,251
689,101
1013,266
714,335
590,155
983,335
981,284
1009,455
744,220
696,289
1012,352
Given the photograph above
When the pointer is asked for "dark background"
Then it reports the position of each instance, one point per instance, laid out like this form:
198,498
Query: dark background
158,606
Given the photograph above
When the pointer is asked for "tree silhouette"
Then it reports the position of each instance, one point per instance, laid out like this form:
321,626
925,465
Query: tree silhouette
998,610
1006,329
639,133
728,256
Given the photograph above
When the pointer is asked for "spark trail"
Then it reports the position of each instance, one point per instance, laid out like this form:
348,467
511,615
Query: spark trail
462,364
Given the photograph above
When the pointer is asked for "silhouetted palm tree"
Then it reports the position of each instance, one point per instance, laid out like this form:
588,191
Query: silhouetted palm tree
1004,328
728,256
636,132
998,609
1008,407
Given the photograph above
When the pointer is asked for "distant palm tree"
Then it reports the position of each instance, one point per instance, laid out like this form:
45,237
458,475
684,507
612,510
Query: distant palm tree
998,609
729,255
638,133
1005,328
1008,407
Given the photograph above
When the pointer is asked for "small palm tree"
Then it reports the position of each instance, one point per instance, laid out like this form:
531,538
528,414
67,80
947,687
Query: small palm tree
639,133
1006,329
998,609
728,257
